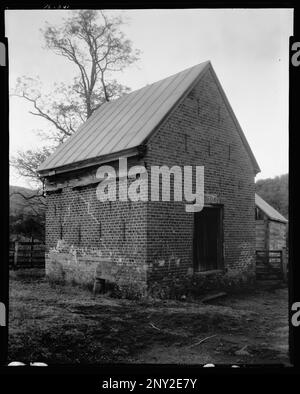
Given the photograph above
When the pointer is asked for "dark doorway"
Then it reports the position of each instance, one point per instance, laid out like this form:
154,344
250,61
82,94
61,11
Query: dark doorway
208,239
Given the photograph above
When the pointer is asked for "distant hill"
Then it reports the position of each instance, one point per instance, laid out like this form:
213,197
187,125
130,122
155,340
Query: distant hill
26,216
18,204
276,192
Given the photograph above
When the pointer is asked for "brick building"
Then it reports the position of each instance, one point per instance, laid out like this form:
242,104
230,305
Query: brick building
183,120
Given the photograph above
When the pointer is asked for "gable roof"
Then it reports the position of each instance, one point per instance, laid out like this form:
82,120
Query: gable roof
269,210
126,123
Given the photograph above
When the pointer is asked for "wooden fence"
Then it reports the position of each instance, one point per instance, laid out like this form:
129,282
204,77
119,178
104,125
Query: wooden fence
26,255
271,264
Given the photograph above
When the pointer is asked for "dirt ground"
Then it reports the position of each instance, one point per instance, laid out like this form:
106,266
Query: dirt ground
65,324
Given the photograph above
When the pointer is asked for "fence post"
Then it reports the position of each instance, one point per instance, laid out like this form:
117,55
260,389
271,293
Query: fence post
267,260
16,255
31,252
284,263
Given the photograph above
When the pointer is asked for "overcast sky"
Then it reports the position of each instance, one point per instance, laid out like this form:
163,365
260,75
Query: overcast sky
248,50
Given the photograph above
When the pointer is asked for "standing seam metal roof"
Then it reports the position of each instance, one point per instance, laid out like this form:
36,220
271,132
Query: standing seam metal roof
123,123
126,122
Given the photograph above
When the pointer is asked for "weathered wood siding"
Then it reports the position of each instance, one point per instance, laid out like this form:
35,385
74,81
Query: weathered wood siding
260,228
270,235
277,235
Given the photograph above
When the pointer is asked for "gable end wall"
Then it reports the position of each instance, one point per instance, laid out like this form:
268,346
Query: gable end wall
201,131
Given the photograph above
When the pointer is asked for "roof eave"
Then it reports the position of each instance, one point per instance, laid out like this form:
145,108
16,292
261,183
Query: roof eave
279,220
130,152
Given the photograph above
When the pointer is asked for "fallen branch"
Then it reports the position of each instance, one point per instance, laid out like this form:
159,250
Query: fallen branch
213,297
156,328
202,340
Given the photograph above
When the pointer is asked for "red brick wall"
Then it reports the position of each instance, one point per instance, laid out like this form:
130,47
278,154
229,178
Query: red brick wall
212,141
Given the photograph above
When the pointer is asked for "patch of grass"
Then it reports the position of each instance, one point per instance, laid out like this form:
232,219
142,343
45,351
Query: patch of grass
66,324
27,275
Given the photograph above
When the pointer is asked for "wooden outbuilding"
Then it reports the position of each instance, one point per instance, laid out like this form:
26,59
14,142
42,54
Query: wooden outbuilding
271,226
271,241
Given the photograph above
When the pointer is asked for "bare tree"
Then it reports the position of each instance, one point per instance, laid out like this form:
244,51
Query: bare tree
95,44
27,164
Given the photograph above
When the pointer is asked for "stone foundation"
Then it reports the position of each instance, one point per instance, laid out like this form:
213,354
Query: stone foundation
72,268
71,265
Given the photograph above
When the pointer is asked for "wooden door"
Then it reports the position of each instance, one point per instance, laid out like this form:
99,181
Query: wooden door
208,239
